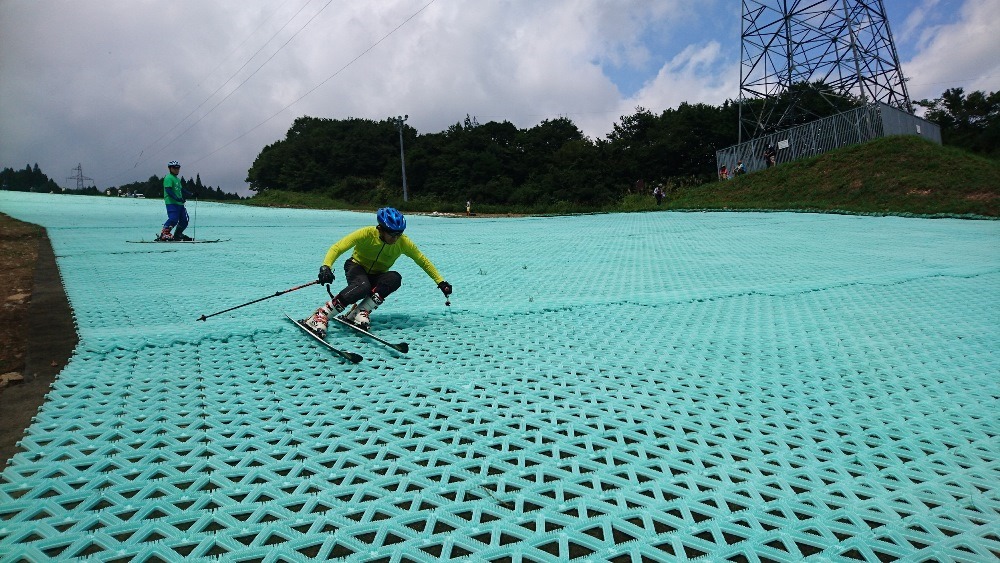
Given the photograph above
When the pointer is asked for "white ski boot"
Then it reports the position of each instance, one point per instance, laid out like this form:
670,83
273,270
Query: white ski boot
362,314
317,322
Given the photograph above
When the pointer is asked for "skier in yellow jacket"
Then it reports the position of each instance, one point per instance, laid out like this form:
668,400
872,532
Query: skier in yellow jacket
367,270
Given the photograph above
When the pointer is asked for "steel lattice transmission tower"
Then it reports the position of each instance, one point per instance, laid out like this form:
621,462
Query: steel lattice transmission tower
81,180
845,44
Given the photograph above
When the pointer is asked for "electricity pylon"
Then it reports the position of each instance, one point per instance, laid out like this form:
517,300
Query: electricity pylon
79,177
844,44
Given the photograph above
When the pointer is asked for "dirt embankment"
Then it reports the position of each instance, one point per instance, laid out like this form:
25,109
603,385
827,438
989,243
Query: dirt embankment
37,332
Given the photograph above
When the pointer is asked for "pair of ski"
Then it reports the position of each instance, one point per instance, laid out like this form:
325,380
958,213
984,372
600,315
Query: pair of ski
193,241
402,347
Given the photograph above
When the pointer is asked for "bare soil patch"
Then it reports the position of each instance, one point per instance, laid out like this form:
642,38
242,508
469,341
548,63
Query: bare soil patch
37,333
18,255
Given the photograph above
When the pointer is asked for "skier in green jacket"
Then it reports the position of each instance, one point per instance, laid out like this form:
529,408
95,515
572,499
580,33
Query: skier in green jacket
367,270
173,197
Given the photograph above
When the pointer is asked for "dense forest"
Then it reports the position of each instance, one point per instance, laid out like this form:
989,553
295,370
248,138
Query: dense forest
31,179
968,122
357,160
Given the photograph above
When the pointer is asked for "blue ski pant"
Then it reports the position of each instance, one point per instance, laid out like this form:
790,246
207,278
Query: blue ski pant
176,215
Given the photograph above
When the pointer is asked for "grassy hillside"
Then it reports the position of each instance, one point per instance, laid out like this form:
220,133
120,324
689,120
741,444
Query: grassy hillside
893,175
899,174
277,198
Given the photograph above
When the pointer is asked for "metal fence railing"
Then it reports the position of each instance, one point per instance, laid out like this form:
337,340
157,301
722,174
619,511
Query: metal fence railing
848,128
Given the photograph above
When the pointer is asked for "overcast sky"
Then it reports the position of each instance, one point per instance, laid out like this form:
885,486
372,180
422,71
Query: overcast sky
123,86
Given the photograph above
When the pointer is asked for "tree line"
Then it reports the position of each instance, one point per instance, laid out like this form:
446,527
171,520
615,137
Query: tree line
357,160
32,179
970,122
153,188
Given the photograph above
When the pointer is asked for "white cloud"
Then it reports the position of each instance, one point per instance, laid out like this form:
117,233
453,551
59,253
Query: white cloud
915,20
962,53
700,73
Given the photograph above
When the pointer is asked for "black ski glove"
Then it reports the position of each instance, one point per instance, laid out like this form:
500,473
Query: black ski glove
325,275
445,288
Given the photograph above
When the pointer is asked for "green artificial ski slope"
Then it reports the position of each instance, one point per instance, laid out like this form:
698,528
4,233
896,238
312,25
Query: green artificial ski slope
627,388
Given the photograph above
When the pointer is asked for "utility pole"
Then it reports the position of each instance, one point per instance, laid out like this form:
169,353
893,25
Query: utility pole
398,122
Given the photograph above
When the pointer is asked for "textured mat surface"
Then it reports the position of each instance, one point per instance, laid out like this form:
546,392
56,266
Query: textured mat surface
628,388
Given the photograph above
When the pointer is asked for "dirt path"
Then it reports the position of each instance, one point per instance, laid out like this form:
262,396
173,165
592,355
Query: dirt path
37,331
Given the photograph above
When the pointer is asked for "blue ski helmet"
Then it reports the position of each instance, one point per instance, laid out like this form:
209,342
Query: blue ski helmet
391,219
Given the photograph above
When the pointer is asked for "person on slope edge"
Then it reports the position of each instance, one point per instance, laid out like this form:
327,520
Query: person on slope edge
173,197
367,270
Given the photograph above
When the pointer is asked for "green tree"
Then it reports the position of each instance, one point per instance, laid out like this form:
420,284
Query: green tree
970,122
316,153
31,179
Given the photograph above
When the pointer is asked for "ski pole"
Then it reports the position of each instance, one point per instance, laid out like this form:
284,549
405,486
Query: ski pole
277,293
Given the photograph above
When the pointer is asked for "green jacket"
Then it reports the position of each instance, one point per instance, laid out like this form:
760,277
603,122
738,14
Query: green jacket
173,194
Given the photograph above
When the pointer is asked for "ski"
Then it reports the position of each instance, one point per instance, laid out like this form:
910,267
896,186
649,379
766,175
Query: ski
178,241
349,356
399,347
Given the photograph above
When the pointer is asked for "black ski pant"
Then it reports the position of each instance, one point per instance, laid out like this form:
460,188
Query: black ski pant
360,283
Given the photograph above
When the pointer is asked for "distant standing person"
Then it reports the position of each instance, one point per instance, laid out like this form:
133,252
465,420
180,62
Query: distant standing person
173,197
658,194
770,156
468,208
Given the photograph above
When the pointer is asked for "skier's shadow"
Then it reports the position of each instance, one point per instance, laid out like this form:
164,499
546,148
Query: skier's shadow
401,321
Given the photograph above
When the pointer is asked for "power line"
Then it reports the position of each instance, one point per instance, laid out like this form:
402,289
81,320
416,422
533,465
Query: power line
230,54
247,79
327,79
138,159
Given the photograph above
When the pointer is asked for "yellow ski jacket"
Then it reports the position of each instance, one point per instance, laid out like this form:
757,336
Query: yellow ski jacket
376,256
